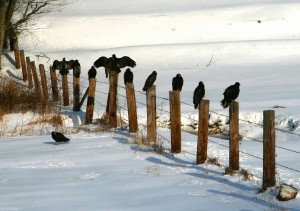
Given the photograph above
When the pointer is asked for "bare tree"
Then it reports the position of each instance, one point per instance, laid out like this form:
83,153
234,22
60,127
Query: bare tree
18,16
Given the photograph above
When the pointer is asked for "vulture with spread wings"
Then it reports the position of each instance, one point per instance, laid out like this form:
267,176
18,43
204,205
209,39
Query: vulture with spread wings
113,63
64,66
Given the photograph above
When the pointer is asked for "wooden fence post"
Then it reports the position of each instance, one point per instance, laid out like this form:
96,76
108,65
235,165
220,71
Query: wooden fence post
17,54
90,101
23,64
44,84
28,65
55,95
65,89
269,149
76,93
36,80
151,114
113,88
131,105
202,132
175,121
234,162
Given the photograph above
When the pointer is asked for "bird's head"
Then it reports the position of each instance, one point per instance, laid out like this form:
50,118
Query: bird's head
237,84
201,83
178,75
114,56
154,72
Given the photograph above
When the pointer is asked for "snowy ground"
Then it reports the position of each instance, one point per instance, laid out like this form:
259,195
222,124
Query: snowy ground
253,42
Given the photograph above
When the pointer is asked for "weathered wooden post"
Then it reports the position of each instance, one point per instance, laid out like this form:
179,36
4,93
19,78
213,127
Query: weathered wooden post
131,105
65,89
234,162
76,92
17,53
202,132
90,101
175,121
269,149
28,65
36,80
23,64
151,114
54,87
44,84
113,88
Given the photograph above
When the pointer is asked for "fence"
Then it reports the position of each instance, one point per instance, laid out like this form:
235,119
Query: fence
269,129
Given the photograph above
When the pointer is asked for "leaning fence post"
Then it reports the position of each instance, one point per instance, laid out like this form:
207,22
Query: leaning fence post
202,132
131,105
175,121
23,65
65,89
55,95
234,163
17,53
151,114
90,101
113,88
28,65
76,92
36,80
44,84
269,149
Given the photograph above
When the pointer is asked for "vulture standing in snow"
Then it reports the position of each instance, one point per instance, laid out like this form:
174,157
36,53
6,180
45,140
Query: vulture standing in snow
198,94
150,81
177,83
128,76
114,63
230,94
59,137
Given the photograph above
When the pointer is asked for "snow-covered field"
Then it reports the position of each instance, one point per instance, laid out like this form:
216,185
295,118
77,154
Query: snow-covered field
217,42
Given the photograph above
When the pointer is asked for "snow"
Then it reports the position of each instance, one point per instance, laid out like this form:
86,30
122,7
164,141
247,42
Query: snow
217,42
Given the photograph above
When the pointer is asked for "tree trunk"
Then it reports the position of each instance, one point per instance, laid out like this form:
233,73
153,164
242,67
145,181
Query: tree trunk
2,28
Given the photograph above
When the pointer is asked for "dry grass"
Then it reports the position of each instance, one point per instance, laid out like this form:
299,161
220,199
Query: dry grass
55,120
213,161
247,176
16,98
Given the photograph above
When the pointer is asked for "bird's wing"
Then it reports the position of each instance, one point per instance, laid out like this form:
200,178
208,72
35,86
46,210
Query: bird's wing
57,65
101,62
126,61
228,91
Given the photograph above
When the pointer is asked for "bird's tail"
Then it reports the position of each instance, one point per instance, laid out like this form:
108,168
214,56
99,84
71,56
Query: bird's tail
224,103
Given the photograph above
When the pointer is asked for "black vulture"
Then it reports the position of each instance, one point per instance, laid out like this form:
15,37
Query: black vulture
114,63
63,66
177,83
92,72
76,68
59,137
150,80
128,76
230,94
198,94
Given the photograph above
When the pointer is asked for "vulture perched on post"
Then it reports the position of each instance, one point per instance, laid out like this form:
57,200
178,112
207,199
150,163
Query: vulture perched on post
198,94
59,137
230,94
114,63
63,66
177,83
92,72
128,76
150,80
